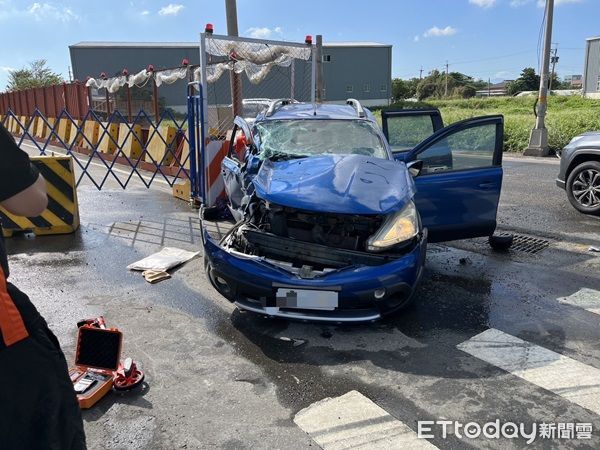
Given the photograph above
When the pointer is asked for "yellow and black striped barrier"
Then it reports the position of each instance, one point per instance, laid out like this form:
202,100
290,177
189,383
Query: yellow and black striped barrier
62,214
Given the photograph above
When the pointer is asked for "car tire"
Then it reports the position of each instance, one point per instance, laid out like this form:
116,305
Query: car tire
582,178
501,242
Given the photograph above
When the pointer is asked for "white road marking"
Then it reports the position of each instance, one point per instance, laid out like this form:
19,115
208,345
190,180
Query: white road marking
354,421
585,298
571,379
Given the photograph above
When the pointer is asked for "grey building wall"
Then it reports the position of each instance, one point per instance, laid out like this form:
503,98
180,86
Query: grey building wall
592,66
364,73
367,69
91,60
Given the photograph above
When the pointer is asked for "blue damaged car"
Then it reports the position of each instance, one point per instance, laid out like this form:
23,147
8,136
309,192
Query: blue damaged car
333,213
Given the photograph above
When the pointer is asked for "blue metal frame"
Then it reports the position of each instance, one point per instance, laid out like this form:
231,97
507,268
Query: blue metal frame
197,143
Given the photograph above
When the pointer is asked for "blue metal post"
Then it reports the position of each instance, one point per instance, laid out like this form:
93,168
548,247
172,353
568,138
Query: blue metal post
192,143
202,155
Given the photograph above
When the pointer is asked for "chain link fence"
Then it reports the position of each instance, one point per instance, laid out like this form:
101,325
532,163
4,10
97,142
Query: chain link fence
243,75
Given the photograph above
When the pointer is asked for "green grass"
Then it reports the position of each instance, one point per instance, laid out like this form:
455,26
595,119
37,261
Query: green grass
567,116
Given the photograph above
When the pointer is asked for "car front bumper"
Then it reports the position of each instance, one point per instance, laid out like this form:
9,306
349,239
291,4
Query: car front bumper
252,282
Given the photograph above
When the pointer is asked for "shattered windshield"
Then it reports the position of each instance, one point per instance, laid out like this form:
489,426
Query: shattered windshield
285,139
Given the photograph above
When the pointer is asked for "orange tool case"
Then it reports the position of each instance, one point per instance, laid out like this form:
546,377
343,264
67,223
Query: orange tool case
96,358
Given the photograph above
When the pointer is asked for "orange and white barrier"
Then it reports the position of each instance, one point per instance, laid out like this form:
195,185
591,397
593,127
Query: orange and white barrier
215,151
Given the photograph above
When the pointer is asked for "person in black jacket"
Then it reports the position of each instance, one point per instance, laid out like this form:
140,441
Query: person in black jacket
38,406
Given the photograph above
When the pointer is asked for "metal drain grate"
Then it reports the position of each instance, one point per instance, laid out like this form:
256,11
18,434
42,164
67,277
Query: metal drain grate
527,244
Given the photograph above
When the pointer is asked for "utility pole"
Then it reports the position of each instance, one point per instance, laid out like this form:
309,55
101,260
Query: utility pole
489,87
538,139
553,61
421,73
446,91
319,57
235,80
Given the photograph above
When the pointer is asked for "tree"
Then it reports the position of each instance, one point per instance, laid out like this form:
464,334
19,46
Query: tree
528,81
437,84
557,83
466,91
403,89
426,89
37,74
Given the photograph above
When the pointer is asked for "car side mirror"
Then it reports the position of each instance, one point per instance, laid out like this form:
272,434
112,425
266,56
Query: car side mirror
415,167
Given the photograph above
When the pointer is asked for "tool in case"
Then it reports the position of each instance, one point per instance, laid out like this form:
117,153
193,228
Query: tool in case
96,360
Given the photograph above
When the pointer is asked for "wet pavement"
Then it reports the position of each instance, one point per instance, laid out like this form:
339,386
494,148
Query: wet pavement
531,201
218,377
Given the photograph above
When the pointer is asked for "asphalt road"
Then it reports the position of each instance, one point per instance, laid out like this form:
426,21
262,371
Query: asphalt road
512,337
531,201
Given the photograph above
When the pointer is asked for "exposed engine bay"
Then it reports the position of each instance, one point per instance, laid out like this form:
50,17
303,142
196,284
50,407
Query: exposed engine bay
342,231
306,239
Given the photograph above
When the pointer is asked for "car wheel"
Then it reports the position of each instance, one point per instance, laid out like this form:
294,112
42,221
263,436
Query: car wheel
583,187
501,242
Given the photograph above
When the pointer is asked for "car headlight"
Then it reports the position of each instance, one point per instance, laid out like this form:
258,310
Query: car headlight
397,228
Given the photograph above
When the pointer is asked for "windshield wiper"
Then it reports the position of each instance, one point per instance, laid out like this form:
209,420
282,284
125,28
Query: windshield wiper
278,156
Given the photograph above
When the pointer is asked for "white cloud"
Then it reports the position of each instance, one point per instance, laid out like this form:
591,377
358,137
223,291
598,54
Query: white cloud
145,13
439,32
172,9
263,32
417,38
483,3
47,11
518,3
6,69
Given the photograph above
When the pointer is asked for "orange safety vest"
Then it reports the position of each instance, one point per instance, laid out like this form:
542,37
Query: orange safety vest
12,326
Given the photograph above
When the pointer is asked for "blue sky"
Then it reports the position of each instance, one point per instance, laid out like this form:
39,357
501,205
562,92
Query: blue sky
485,38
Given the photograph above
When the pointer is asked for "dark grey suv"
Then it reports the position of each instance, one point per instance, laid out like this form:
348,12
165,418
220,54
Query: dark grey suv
580,172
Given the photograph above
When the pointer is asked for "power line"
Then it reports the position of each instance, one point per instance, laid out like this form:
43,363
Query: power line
539,44
491,58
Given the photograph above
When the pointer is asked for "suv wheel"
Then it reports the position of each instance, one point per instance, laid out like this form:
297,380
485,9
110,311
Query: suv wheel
583,187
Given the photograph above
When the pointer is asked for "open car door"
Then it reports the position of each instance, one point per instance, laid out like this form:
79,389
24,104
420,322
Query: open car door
458,188
404,129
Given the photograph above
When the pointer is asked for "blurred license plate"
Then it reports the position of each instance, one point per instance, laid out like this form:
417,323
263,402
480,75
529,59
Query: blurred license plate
306,299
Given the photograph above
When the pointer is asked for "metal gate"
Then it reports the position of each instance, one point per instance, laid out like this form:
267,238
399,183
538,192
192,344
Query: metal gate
109,148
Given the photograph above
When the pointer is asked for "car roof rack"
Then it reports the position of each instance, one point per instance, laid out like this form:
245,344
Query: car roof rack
276,104
357,106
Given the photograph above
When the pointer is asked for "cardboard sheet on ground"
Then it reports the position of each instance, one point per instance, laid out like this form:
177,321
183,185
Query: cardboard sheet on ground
164,260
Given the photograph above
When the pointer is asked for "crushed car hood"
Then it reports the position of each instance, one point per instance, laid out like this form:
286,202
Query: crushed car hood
345,184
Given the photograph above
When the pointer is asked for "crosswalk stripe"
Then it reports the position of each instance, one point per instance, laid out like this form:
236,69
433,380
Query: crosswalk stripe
585,298
571,379
354,421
